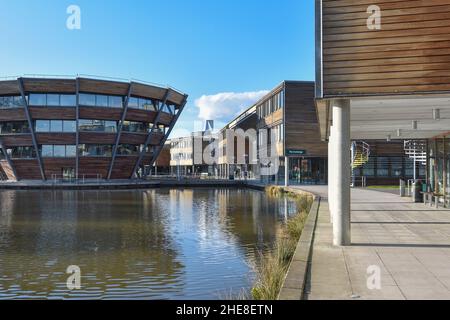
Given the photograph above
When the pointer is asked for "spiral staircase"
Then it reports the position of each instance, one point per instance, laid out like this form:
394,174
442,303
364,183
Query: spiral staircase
360,156
417,150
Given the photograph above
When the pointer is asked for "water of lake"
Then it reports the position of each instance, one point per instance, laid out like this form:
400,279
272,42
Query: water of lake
155,244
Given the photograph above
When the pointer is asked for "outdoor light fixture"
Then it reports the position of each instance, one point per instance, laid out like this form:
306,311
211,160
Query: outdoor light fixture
388,139
437,114
399,132
414,125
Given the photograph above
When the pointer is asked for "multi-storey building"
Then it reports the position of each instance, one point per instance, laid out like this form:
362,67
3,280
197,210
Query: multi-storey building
80,127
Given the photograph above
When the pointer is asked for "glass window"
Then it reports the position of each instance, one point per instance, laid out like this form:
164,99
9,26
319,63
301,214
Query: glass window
110,126
397,166
128,149
59,151
15,127
47,151
42,126
53,100
68,100
38,99
69,126
95,150
102,101
71,151
138,127
22,153
133,103
369,168
56,126
87,99
115,102
383,167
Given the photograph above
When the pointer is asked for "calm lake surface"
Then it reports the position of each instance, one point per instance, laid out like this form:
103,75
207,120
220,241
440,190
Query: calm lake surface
156,244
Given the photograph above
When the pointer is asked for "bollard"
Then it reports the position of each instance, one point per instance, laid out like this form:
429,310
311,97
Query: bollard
402,188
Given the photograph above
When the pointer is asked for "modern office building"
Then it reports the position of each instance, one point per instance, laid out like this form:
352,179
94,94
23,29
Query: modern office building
287,115
83,127
383,73
183,158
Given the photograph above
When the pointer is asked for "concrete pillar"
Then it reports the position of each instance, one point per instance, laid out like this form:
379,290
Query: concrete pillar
286,172
331,170
342,174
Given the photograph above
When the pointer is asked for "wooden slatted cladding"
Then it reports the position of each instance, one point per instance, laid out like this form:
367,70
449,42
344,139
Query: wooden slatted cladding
301,125
409,54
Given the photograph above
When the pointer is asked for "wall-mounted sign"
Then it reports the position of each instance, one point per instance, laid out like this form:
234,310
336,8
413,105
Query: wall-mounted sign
294,152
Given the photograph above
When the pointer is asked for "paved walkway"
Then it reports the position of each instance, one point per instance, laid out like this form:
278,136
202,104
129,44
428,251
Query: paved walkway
409,243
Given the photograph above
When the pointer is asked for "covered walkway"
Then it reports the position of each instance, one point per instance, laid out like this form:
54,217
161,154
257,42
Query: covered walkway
409,243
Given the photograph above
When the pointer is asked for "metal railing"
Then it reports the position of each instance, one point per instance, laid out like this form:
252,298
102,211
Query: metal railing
359,182
81,179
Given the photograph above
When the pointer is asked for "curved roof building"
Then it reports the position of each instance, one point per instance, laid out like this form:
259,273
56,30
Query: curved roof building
82,127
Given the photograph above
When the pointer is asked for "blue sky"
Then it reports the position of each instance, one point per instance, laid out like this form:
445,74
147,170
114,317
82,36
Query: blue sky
223,53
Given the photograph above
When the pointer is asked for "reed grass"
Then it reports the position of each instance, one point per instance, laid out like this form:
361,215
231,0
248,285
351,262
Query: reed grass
275,264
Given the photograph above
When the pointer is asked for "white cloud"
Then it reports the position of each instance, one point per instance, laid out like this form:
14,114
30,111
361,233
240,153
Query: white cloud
227,105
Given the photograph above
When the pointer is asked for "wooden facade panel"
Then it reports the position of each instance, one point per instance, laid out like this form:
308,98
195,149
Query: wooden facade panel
156,139
123,167
49,85
97,138
165,118
100,113
9,87
54,166
409,54
147,91
132,138
91,166
53,113
16,114
27,169
103,87
7,170
302,131
175,97
140,115
17,140
57,139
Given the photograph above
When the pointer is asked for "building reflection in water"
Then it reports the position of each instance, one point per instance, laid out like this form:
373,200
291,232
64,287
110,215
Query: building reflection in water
151,244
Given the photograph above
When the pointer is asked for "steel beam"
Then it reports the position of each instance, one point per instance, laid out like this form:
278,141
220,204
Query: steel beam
151,133
174,121
119,131
30,123
8,159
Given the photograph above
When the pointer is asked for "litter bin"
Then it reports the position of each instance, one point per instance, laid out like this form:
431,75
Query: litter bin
417,194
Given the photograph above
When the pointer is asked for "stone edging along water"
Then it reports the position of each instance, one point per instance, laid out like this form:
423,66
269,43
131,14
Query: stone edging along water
294,284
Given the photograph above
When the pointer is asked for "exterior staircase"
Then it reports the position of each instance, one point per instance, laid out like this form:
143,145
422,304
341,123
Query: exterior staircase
360,156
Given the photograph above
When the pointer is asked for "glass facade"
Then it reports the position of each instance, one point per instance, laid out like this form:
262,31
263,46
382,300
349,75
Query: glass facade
52,100
14,127
136,127
99,100
439,166
58,151
97,125
143,104
271,105
11,102
129,149
95,150
57,126
22,153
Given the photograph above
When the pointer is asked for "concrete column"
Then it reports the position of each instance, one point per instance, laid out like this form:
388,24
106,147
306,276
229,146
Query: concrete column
342,173
331,170
286,172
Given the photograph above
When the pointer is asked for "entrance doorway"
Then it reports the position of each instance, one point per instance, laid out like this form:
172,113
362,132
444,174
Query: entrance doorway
307,171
